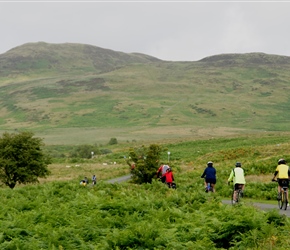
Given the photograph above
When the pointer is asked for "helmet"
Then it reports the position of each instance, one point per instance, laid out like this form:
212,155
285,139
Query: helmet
238,164
281,161
209,164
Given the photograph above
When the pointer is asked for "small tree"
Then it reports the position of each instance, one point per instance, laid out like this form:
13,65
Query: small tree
146,162
21,159
113,141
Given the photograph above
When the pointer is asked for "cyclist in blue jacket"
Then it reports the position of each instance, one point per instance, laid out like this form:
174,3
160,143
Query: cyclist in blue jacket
210,176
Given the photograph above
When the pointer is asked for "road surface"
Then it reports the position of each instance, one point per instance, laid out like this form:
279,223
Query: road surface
262,206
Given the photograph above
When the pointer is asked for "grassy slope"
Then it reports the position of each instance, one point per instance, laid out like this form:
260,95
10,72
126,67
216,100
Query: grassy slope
94,94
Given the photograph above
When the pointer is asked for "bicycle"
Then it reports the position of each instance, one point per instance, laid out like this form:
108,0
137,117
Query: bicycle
239,194
173,185
282,196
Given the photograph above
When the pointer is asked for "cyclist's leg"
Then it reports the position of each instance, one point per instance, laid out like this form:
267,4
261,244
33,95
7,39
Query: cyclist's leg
235,193
287,191
279,186
283,200
205,185
242,187
233,197
213,182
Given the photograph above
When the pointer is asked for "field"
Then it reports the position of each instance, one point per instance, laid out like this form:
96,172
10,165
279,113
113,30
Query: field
58,213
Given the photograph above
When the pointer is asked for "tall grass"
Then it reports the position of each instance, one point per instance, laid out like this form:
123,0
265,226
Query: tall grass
64,215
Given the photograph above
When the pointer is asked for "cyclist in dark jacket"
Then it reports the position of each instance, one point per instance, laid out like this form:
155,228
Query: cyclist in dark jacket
210,175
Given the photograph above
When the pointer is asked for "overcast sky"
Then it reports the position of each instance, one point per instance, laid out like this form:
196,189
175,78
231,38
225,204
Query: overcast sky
168,30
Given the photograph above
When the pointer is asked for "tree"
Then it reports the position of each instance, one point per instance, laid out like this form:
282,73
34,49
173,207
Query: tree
85,151
113,141
146,162
22,160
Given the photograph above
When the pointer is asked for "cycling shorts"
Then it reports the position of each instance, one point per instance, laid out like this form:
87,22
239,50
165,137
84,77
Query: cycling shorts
210,180
239,186
283,182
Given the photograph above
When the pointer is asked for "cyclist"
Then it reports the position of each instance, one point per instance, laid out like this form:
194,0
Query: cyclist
162,170
283,173
168,176
237,175
210,176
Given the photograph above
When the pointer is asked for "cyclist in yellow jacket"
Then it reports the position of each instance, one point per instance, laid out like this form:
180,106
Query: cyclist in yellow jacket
283,174
237,175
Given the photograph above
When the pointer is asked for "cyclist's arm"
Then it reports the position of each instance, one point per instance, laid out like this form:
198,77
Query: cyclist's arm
203,175
158,171
276,172
231,176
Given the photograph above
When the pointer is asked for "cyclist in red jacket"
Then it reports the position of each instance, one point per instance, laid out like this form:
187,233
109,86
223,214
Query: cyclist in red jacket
169,178
162,170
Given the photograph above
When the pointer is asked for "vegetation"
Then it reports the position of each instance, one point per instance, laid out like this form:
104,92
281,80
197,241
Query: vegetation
61,214
64,215
143,162
113,141
21,159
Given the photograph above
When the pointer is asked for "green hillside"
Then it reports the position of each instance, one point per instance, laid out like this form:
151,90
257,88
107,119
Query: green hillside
78,93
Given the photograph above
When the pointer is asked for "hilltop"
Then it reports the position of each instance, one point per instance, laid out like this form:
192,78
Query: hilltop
76,93
65,57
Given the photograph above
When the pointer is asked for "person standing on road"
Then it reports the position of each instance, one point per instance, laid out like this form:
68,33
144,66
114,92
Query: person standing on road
210,176
162,170
237,175
283,174
94,180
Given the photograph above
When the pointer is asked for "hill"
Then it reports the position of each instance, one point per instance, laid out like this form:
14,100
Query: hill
61,58
75,93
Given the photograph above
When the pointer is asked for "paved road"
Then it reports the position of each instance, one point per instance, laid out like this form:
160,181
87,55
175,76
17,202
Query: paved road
120,179
262,206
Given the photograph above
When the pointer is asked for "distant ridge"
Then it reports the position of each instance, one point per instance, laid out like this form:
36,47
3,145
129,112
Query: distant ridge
67,56
247,58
